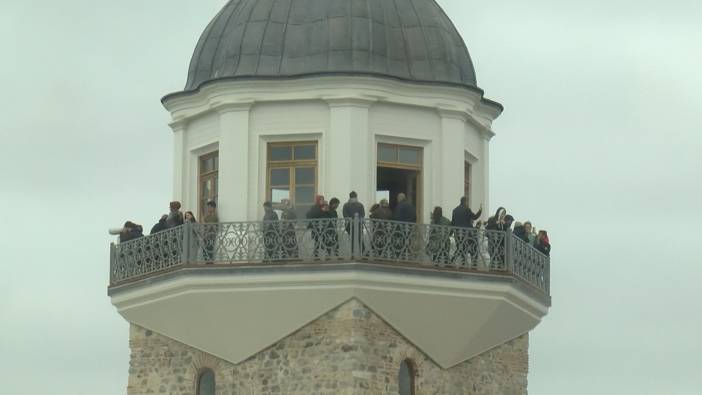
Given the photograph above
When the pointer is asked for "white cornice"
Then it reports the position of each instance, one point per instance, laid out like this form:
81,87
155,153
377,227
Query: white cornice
336,91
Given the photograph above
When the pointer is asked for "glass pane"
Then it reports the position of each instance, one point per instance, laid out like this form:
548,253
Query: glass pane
206,189
206,383
405,379
387,153
206,165
280,176
409,155
380,195
278,194
304,175
304,152
304,195
216,162
281,153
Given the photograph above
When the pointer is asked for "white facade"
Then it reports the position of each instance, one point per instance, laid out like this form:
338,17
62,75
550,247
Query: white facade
347,117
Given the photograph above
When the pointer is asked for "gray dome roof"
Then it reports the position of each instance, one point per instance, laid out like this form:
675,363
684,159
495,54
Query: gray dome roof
406,39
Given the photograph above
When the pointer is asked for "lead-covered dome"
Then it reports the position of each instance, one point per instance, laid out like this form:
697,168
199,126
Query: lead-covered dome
407,39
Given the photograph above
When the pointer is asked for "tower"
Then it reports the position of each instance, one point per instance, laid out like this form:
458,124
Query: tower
289,99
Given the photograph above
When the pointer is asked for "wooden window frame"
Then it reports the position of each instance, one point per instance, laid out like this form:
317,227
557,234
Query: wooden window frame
467,181
202,177
291,165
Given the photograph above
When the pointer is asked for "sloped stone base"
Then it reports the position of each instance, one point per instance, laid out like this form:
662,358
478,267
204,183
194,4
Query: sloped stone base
349,350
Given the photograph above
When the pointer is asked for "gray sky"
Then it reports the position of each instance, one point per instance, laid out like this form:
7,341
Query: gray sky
600,144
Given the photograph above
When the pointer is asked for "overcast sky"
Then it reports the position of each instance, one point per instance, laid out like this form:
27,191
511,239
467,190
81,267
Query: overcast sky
600,143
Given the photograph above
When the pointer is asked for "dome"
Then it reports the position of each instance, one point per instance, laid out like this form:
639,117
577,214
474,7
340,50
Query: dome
411,40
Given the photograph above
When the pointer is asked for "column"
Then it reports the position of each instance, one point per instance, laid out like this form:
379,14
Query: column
486,175
452,158
348,151
179,171
233,162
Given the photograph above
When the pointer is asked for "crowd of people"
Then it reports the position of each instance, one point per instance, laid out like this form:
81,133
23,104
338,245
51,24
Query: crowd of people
324,234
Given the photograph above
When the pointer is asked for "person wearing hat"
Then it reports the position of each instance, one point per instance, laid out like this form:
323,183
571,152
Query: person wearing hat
175,217
210,230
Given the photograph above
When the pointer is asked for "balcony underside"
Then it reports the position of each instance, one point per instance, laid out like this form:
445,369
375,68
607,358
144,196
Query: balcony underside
235,311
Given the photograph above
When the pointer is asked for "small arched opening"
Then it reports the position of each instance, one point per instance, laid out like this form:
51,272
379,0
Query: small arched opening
206,382
407,374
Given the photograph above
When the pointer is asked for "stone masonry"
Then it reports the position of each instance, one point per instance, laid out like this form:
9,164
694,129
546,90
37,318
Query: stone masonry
349,350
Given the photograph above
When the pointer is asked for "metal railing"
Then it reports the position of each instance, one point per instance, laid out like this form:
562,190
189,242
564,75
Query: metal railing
324,240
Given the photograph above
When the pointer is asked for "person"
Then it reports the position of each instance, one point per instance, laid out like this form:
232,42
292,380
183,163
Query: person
404,236
494,225
379,213
529,232
210,231
160,226
331,238
130,231
175,217
352,209
314,223
289,215
543,244
404,211
270,231
439,244
466,238
520,231
189,217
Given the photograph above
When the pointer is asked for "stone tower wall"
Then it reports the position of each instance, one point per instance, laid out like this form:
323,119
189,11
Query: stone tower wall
349,350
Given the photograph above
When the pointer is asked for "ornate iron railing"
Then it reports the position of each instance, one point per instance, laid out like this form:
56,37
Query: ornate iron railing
323,240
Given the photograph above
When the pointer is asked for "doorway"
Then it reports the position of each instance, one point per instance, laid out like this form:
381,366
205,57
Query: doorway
399,171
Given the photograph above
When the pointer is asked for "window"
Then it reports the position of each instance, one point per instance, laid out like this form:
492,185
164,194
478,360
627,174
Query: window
208,170
292,174
399,156
206,382
466,182
406,377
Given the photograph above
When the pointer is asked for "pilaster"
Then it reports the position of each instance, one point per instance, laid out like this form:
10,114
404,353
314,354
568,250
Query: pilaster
179,163
452,157
349,148
233,161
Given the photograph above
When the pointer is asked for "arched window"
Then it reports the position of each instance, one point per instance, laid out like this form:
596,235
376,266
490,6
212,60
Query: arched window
206,382
407,373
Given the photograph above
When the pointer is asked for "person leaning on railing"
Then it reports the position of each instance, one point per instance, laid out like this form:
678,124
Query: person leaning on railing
439,243
379,212
314,214
290,249
210,231
352,209
543,244
466,238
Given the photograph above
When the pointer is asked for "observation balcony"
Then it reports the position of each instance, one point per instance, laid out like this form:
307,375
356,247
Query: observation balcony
454,292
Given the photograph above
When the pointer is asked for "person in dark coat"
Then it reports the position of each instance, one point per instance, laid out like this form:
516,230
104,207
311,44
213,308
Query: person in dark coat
543,244
270,232
160,226
379,229
404,235
439,244
352,209
466,238
175,217
331,238
314,216
130,231
404,211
